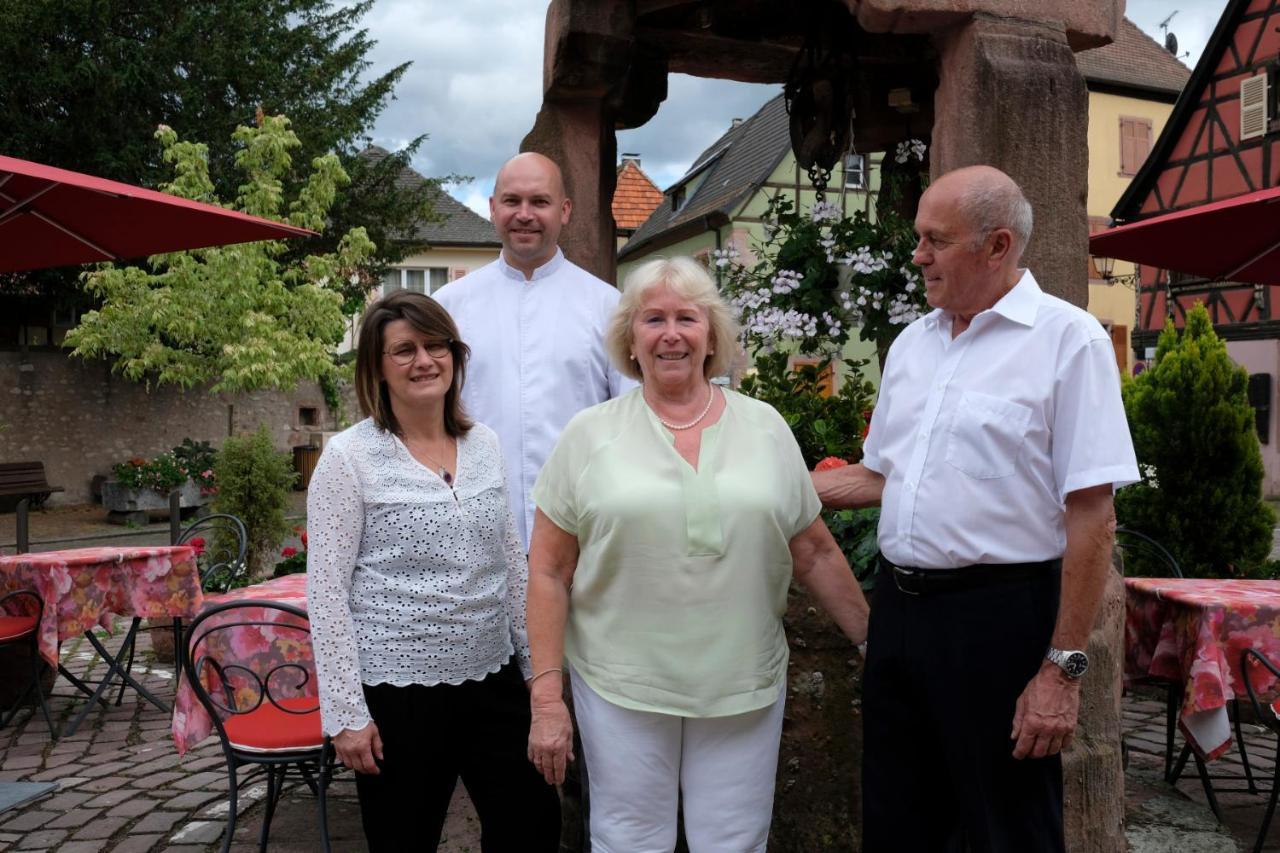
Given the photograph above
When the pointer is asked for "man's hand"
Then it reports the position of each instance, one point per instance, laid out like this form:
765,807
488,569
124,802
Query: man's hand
1044,721
550,739
358,749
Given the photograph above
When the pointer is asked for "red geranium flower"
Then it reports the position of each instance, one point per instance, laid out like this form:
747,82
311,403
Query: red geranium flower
304,538
197,543
829,463
288,552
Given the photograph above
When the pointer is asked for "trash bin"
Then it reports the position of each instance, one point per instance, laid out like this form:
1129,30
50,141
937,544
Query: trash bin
305,457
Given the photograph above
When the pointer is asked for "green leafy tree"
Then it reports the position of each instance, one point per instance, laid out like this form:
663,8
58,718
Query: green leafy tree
1193,430
86,82
239,317
254,480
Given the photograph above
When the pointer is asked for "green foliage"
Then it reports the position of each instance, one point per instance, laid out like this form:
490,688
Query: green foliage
1193,430
238,317
822,425
198,459
87,81
822,275
254,480
164,473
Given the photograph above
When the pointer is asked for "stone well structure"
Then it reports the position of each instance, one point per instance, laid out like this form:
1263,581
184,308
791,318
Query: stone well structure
985,81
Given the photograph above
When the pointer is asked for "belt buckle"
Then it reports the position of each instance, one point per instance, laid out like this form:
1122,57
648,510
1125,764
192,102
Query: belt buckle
899,574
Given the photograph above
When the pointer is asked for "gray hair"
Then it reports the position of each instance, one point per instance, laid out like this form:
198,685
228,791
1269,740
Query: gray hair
690,281
992,204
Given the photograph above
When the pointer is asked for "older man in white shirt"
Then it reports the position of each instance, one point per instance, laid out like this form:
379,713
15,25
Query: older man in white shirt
535,323
994,450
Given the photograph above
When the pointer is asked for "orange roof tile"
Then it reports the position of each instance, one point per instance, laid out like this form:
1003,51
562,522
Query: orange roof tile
635,198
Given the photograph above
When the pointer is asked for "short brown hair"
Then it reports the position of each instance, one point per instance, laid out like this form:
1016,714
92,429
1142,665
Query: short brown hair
428,317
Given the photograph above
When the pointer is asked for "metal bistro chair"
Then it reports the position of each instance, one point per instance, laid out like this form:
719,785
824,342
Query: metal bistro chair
222,544
23,629
1140,550
262,718
1266,714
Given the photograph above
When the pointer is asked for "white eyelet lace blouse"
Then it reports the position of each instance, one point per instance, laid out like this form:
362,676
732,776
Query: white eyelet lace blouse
409,581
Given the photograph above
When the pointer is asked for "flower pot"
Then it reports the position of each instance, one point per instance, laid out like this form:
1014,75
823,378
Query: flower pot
125,504
161,631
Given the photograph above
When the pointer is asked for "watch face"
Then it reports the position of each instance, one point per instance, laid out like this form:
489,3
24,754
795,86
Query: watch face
1075,664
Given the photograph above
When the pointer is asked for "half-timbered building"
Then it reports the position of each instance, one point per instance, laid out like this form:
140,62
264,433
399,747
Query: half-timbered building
1221,140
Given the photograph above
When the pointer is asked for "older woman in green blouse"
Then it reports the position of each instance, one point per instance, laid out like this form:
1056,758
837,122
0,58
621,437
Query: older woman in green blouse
670,522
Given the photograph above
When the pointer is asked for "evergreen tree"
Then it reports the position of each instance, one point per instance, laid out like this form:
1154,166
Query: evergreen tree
1193,430
87,82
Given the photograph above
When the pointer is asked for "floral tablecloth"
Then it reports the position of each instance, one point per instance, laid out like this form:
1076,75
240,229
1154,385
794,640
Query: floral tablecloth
260,647
1194,631
84,587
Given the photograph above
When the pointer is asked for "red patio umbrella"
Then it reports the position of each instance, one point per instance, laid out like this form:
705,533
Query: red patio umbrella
1237,239
51,217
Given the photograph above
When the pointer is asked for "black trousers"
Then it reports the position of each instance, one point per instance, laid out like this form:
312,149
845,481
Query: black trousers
431,736
943,674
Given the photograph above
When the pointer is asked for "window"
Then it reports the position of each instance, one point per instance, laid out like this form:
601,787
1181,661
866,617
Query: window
855,171
416,279
677,198
1135,144
308,416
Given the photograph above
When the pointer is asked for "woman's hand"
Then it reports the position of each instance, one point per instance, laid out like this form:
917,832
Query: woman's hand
357,749
551,739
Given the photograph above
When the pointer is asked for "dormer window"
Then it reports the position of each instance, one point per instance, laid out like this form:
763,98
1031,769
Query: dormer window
678,198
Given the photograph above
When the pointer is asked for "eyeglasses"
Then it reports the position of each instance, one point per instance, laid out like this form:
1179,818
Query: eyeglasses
405,352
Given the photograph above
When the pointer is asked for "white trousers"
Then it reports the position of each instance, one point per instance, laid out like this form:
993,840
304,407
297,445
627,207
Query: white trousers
639,762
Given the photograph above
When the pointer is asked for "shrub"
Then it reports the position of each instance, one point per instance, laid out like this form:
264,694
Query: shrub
198,459
254,480
1193,430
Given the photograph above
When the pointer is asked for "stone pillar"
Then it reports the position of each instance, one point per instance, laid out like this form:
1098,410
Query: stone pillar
1093,769
579,136
1010,95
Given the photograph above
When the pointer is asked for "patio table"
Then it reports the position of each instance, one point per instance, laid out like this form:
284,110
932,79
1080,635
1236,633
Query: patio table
1193,631
191,723
84,588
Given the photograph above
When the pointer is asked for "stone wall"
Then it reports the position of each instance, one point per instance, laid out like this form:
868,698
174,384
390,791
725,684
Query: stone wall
79,418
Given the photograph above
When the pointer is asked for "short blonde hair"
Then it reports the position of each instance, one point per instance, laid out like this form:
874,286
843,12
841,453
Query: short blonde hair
690,281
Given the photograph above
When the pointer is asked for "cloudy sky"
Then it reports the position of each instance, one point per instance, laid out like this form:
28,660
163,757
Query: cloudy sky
476,84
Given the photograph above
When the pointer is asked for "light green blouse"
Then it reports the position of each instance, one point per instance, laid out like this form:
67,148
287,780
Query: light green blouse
682,575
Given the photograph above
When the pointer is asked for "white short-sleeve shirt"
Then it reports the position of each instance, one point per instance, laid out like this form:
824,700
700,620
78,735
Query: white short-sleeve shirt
981,437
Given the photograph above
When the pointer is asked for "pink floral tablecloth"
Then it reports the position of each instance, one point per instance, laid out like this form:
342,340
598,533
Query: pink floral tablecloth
84,587
1194,631
258,646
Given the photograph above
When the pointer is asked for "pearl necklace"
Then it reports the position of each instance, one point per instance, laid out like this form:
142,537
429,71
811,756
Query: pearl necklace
711,396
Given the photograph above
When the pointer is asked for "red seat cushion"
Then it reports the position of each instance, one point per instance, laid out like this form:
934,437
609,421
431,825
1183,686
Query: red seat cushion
269,729
1275,708
13,627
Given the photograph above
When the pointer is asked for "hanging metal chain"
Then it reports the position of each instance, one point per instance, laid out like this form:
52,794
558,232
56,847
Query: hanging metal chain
819,92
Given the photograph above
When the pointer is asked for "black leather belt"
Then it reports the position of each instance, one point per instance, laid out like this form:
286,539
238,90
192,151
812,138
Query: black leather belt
916,581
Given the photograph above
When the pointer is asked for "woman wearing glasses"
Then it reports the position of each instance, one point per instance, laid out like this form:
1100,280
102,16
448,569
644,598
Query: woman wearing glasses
416,592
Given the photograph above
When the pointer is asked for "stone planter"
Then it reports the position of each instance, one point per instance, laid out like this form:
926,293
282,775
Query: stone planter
125,504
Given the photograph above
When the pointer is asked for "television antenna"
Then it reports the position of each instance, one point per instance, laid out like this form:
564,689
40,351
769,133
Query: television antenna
1171,40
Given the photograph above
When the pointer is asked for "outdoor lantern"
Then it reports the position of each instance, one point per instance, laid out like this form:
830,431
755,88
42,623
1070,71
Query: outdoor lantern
1105,265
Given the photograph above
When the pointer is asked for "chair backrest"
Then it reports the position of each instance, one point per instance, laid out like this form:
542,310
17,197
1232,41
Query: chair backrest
241,654
1145,556
1250,660
222,544
21,602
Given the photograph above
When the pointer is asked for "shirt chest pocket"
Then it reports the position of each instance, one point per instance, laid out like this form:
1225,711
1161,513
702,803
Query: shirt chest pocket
987,435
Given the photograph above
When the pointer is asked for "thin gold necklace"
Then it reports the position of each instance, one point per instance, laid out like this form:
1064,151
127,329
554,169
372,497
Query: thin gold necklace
441,471
711,396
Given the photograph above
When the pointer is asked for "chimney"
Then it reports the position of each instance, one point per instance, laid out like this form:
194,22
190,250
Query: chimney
631,158
735,123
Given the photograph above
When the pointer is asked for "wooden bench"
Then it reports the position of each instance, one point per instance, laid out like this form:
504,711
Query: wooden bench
27,482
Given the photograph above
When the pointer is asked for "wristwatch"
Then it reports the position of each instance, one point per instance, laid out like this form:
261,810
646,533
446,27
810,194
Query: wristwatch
1073,662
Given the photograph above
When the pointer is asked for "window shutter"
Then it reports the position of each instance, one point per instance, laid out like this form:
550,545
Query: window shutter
1253,106
1120,343
1135,144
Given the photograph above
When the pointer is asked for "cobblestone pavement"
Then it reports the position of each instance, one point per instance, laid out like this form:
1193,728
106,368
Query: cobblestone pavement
122,787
